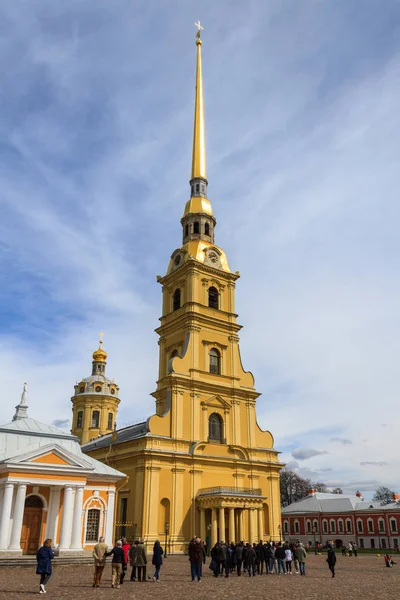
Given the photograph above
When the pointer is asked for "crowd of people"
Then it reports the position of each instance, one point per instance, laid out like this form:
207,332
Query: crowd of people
225,560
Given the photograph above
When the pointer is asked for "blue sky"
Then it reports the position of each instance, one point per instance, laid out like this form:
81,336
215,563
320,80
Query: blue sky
302,128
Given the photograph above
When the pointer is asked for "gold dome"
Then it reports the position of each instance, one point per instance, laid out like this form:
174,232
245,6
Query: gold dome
100,355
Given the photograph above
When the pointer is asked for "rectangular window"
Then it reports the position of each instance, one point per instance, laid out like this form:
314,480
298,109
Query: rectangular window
383,543
325,526
340,526
79,420
393,526
361,542
396,543
95,419
359,526
92,525
348,526
381,526
110,421
372,543
296,527
370,526
308,527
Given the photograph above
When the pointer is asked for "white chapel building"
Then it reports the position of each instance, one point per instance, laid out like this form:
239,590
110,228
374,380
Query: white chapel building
50,489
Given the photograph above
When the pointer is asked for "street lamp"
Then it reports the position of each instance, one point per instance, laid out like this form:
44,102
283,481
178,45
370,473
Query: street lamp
315,546
166,531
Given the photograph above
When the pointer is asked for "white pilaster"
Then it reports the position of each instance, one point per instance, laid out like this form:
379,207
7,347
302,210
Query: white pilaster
5,515
76,540
109,529
66,523
18,517
54,508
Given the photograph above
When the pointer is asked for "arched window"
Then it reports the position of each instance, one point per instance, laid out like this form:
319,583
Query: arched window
215,361
196,227
79,419
95,418
213,297
296,527
348,525
381,525
177,299
340,526
359,526
92,525
285,527
110,421
393,525
215,428
325,526
207,229
370,526
186,230
308,526
315,526
333,526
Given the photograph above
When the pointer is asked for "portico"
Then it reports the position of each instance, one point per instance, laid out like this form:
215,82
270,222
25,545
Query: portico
231,514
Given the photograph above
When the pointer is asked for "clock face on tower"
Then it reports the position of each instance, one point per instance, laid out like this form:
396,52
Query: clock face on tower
213,257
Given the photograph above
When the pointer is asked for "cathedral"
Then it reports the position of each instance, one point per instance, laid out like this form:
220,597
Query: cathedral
201,465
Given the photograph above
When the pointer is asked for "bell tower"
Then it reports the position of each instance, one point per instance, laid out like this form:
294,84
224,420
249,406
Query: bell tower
95,402
203,392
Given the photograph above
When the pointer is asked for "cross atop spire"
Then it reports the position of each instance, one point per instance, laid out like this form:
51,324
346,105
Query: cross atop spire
199,29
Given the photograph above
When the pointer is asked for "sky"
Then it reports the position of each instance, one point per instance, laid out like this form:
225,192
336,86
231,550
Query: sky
303,129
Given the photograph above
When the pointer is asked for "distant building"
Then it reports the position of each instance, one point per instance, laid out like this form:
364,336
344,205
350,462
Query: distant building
50,489
342,518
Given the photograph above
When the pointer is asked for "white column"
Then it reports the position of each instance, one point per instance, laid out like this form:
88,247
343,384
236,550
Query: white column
5,515
109,530
214,530
203,524
232,536
76,540
222,524
19,506
52,516
260,524
66,523
251,525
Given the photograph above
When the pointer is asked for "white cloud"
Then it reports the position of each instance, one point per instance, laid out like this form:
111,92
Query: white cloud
304,453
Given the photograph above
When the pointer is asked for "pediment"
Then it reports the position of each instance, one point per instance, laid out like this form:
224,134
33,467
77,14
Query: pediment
217,402
50,455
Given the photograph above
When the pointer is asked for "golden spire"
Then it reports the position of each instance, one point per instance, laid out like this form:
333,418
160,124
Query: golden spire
199,136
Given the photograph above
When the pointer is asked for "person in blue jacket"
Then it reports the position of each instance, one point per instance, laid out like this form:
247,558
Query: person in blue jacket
44,567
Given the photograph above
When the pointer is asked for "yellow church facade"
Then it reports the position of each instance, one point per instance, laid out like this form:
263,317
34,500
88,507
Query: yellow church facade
201,465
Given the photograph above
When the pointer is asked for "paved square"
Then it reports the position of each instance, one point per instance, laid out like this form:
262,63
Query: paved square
362,578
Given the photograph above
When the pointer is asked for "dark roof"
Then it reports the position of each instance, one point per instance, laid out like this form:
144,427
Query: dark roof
123,435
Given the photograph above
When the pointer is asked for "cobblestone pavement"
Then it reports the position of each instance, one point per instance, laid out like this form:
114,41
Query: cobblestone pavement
362,578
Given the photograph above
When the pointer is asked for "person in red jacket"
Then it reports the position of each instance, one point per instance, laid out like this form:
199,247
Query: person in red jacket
125,548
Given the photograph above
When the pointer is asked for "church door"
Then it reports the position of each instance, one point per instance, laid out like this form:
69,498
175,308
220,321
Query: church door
31,525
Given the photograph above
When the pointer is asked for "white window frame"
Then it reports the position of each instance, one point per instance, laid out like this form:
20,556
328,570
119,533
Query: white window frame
360,529
332,526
